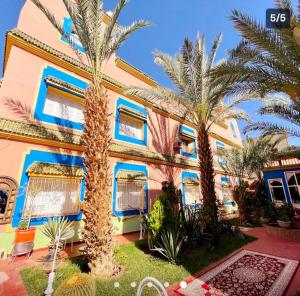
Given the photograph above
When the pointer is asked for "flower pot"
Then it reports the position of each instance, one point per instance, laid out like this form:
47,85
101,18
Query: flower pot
25,236
284,224
264,220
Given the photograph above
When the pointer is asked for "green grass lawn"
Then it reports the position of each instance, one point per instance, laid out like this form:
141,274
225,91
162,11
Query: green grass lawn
135,266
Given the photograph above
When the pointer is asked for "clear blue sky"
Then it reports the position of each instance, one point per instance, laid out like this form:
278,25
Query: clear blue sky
173,20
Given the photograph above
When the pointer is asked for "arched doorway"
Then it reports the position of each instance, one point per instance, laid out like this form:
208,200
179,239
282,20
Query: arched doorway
8,191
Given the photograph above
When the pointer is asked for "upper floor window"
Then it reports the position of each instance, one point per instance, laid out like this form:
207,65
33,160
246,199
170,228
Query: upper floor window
233,130
220,147
131,123
60,106
188,142
60,99
70,31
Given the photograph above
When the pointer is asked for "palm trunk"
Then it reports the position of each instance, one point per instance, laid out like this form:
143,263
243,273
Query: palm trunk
207,182
97,214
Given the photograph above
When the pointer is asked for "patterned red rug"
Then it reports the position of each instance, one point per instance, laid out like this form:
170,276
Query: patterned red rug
245,274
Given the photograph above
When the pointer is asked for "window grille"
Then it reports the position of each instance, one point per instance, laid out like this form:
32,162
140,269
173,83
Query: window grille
50,196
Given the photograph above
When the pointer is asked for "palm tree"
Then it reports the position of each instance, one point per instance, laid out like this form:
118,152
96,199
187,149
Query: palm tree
99,41
267,62
246,162
200,100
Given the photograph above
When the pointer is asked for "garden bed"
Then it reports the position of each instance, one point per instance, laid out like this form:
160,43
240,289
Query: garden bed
283,233
135,266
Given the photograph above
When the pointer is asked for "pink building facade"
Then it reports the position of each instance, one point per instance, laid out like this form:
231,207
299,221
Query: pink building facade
42,168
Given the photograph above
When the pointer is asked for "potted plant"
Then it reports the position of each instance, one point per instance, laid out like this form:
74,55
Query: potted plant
285,215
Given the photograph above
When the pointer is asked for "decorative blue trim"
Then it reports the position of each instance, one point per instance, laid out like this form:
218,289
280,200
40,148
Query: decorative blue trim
183,153
42,95
220,144
49,157
233,129
278,175
139,109
185,175
67,27
128,167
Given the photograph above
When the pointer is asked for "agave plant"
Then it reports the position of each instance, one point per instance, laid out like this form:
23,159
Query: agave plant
169,244
265,63
99,41
58,230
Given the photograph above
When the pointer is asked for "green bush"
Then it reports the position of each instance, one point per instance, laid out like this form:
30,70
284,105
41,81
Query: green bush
79,284
285,212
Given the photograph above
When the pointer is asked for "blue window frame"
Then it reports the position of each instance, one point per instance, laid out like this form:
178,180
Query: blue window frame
188,175
33,156
220,145
131,168
42,95
226,183
68,28
191,138
137,113
232,127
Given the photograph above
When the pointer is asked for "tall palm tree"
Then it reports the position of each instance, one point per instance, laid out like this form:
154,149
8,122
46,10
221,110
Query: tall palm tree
200,100
99,41
246,162
267,62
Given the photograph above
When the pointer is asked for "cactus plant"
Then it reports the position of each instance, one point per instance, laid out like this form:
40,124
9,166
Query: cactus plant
79,284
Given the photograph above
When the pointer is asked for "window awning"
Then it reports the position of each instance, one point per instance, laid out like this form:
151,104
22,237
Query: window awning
53,169
187,135
123,175
132,112
191,181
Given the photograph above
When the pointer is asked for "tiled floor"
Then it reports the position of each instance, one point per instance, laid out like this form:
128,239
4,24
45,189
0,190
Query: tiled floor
265,244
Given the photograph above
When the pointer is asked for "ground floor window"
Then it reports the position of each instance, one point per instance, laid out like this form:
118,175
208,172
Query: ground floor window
192,194
293,181
277,190
52,196
130,196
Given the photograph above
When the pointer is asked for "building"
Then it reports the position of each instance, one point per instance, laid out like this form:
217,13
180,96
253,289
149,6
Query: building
282,179
42,168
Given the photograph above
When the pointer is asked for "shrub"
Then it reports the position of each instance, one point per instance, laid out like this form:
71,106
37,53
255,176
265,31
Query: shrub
79,284
285,213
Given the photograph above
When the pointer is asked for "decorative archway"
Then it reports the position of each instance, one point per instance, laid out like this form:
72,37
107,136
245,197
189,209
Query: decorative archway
8,192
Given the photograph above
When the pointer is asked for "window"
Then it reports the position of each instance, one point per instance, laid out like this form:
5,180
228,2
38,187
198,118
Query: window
192,194
277,190
69,29
130,196
50,196
3,201
293,180
131,127
220,148
188,142
131,123
226,190
232,127
61,107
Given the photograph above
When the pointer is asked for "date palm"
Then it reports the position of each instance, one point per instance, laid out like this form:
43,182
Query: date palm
246,162
199,100
267,62
99,41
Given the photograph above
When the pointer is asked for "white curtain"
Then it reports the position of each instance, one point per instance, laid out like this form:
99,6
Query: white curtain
192,194
130,196
52,196
131,128
61,107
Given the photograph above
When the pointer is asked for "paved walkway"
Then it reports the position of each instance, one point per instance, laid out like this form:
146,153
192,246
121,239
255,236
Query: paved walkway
264,244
